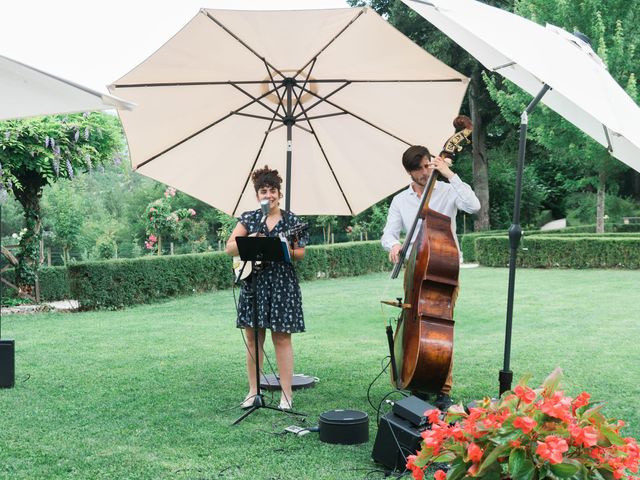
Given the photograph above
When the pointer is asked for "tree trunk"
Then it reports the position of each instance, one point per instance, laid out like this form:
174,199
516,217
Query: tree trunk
479,149
28,257
159,245
602,181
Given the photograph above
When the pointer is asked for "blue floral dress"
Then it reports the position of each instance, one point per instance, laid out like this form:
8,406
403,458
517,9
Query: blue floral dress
279,299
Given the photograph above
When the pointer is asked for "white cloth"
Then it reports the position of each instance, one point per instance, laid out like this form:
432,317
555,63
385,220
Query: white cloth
446,198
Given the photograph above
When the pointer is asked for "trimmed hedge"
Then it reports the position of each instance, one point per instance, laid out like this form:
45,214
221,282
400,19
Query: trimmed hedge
118,283
54,283
561,251
468,241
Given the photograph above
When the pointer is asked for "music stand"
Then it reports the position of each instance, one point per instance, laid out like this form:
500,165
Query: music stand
259,249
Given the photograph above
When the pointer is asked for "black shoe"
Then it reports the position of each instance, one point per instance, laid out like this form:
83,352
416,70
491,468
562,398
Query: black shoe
443,402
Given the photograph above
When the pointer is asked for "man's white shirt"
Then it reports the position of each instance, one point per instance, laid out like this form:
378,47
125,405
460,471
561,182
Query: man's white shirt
447,198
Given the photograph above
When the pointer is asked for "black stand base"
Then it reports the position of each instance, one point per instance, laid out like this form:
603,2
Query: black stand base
505,379
258,402
7,364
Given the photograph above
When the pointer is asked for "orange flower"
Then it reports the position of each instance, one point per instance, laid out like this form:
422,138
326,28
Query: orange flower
440,475
587,436
473,469
526,424
474,452
433,416
557,406
526,394
552,448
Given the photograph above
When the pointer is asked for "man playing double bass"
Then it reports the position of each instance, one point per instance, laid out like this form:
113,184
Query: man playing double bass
447,198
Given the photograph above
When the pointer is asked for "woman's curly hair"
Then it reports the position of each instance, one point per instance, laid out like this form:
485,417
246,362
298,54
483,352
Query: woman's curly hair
265,177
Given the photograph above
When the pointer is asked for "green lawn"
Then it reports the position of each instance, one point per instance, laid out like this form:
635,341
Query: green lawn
149,392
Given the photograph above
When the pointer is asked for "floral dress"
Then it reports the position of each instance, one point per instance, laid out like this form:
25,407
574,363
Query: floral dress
279,299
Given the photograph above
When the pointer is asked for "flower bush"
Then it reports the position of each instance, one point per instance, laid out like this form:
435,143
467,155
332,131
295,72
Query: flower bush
528,434
163,221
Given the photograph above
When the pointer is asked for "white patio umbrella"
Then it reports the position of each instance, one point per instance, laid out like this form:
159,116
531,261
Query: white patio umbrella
26,92
556,67
533,56
331,98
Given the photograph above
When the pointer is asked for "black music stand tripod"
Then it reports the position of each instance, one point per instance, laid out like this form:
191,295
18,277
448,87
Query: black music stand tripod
259,249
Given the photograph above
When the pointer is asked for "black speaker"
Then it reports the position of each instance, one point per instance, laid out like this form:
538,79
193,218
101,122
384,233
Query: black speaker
396,439
7,364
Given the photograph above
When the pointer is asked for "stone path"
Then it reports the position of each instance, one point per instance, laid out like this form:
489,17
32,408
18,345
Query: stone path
59,306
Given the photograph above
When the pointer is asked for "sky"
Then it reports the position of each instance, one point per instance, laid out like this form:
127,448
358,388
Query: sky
94,42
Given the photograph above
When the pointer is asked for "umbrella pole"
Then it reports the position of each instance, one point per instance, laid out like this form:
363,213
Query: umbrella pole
289,120
515,234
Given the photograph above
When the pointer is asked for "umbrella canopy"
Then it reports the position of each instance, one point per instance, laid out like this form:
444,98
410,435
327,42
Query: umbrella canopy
331,98
531,56
26,92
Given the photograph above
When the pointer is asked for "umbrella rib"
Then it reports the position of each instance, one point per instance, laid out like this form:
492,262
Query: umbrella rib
360,118
242,114
260,82
322,99
190,84
313,132
273,82
315,57
236,112
242,42
606,134
306,80
258,100
253,166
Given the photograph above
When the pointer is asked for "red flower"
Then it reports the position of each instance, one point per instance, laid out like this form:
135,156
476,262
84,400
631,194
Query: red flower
580,401
474,452
552,449
526,424
433,416
440,475
473,469
587,436
526,394
557,406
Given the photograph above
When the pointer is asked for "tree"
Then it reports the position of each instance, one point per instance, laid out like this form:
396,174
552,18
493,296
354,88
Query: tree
40,151
482,109
64,217
326,222
606,23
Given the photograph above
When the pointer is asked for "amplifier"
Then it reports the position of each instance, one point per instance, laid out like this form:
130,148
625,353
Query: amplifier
396,439
412,409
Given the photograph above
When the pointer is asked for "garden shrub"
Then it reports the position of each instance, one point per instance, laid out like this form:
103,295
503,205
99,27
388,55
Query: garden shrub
119,283
562,251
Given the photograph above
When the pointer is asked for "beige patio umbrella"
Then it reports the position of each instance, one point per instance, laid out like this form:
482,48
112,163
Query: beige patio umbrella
331,98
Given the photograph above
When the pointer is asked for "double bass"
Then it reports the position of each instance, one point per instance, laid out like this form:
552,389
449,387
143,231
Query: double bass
423,342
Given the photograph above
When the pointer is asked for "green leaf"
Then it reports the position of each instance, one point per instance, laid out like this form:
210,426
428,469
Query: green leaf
612,436
520,466
492,457
445,457
458,469
564,470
